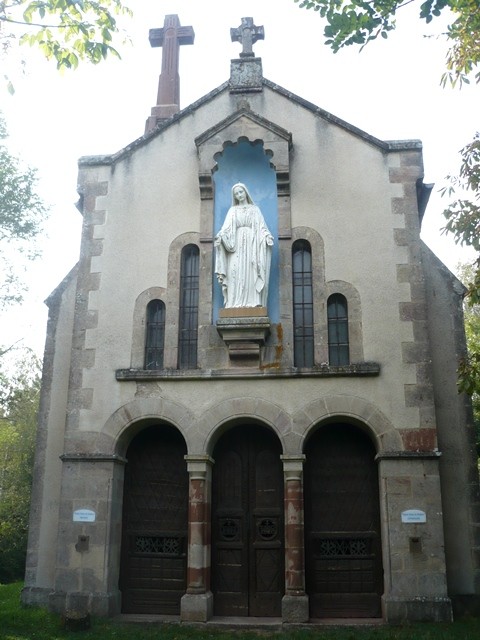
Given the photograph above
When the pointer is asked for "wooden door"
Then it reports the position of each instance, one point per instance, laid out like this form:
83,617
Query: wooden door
247,524
155,512
344,575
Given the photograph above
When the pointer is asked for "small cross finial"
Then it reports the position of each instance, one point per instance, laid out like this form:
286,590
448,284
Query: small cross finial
247,33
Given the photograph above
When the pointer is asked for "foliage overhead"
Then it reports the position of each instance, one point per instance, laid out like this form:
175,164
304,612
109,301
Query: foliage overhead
21,215
357,22
67,31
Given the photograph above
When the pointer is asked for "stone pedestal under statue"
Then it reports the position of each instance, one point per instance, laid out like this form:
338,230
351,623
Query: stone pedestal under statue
244,331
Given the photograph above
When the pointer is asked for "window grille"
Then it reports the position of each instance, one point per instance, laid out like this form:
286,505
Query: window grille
303,340
159,545
188,321
338,344
332,547
155,335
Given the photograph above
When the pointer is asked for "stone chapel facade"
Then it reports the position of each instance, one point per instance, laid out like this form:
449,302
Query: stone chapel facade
306,459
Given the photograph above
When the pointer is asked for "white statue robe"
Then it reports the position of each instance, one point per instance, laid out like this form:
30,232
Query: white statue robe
243,256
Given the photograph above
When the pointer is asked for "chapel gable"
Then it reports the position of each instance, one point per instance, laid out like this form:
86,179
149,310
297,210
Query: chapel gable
249,407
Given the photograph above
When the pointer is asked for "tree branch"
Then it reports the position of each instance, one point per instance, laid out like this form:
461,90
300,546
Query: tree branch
35,24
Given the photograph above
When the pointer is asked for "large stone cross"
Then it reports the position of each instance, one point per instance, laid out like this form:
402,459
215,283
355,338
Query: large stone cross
170,37
247,33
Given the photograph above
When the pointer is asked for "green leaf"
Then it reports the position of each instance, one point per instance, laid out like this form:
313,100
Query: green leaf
94,21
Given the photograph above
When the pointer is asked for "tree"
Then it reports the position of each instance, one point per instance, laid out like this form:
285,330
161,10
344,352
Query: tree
463,221
67,31
21,215
19,397
472,331
358,22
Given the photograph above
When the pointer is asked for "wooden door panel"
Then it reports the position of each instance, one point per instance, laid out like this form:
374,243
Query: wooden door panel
247,476
229,530
154,535
229,570
229,579
344,572
266,576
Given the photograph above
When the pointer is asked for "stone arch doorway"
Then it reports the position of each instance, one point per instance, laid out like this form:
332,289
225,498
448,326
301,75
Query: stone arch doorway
247,523
154,523
344,574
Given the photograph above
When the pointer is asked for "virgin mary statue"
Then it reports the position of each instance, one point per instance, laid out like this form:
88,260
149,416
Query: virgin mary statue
243,252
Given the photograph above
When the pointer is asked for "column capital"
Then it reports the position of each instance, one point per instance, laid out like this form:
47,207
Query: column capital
293,466
198,465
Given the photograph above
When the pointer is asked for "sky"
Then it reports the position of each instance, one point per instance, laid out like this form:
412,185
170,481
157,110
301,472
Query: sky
391,90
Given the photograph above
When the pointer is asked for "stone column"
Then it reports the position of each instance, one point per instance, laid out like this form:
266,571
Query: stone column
197,603
295,601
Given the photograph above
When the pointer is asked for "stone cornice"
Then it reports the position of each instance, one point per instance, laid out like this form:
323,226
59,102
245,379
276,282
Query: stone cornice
408,455
360,369
92,457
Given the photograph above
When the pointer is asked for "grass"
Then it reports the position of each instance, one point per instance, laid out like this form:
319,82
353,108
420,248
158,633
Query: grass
30,623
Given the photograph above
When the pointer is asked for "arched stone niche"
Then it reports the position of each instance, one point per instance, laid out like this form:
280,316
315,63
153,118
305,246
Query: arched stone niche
248,126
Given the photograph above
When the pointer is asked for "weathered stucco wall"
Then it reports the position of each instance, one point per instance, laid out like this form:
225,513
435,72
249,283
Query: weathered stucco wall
148,204
44,514
456,438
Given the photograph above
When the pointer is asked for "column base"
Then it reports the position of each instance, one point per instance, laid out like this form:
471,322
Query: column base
295,608
400,610
103,605
196,607
35,596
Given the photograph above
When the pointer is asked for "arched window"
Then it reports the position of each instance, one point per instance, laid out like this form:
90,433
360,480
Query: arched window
303,339
188,320
338,347
155,335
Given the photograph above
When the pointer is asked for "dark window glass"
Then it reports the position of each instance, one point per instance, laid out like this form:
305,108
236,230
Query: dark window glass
155,336
338,348
188,321
303,342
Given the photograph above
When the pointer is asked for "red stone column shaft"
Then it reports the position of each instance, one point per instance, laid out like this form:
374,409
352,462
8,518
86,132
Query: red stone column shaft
198,570
294,551
294,526
196,536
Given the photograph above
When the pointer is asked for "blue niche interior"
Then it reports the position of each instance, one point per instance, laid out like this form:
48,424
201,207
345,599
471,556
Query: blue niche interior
246,162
